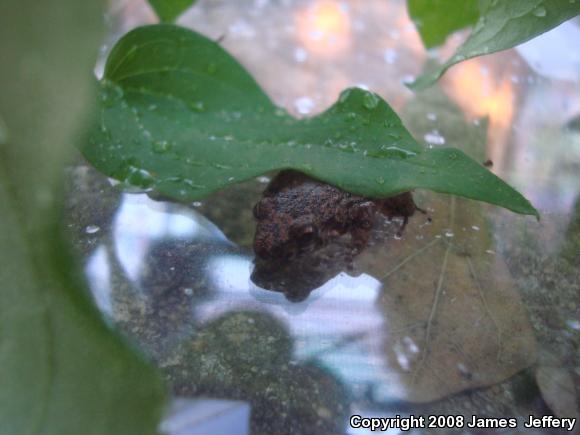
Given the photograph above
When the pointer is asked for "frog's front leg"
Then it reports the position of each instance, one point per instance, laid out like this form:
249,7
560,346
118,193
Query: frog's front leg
362,216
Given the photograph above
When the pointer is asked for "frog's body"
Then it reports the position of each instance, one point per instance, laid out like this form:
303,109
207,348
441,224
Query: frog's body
298,214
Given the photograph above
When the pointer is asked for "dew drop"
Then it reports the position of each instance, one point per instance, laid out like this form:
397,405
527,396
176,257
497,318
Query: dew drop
344,95
139,177
92,229
197,106
111,95
211,68
540,12
161,146
398,152
370,101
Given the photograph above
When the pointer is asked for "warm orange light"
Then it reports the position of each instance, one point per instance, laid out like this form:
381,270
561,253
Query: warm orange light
481,93
324,28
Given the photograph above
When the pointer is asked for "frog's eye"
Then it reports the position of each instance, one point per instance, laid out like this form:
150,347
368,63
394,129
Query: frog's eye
304,233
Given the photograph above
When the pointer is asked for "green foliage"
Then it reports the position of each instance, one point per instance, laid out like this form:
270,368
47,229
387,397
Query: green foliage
504,24
62,370
437,19
181,117
169,10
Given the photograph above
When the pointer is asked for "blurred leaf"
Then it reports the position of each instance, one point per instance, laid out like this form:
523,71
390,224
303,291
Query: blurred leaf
182,118
504,24
169,10
437,19
61,368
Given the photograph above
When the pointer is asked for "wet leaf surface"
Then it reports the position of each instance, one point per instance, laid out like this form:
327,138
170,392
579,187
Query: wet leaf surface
502,25
182,119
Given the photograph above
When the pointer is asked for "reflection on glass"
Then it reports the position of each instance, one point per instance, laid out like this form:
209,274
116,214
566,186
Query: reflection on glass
474,302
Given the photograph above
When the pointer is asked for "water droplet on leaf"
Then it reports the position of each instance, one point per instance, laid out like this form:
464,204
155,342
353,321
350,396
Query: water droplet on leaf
197,106
161,146
370,101
139,177
540,12
211,68
92,229
344,96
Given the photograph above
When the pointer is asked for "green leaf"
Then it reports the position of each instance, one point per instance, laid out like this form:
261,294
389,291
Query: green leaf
182,118
169,10
62,370
504,24
437,19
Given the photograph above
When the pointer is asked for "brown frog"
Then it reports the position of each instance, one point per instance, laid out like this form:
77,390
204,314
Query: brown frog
298,214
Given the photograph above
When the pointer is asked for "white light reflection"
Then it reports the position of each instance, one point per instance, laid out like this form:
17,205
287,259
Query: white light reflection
339,324
555,53
140,221
98,276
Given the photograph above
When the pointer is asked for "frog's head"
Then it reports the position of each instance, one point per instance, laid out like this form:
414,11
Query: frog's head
280,235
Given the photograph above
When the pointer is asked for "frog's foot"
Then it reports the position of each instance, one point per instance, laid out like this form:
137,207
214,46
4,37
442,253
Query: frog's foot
399,232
